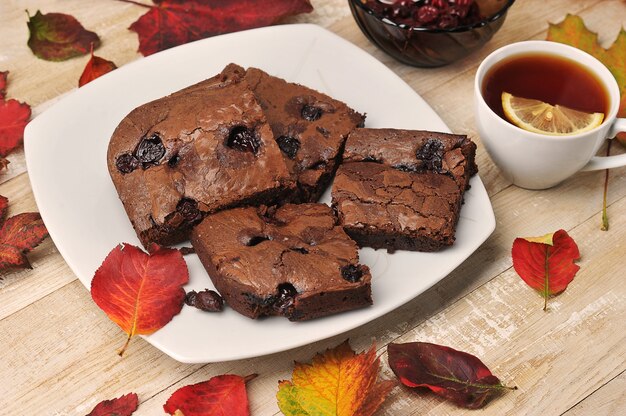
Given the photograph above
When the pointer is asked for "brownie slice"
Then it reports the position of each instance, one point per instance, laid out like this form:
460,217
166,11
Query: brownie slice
415,150
383,207
310,128
293,261
403,189
202,149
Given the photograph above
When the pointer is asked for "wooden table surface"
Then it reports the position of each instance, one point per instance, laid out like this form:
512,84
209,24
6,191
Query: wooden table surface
57,349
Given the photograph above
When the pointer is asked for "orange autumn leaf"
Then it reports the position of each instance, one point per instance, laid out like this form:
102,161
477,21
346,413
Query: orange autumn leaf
138,291
95,68
338,382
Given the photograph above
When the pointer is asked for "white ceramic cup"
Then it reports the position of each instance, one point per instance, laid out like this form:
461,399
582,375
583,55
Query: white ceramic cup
537,161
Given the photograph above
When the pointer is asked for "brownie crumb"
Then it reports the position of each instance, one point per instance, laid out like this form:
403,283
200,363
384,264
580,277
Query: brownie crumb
206,300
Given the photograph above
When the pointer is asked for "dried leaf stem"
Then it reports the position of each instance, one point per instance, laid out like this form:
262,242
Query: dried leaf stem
605,217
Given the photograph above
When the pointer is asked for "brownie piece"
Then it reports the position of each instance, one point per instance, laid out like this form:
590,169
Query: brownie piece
383,207
310,128
415,150
293,261
202,149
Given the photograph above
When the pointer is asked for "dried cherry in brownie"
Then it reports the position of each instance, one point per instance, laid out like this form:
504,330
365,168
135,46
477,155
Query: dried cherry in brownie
199,150
293,261
310,129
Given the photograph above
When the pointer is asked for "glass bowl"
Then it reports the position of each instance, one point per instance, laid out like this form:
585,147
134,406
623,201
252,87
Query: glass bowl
430,47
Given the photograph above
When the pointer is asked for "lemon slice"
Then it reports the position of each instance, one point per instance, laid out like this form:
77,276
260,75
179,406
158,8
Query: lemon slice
543,118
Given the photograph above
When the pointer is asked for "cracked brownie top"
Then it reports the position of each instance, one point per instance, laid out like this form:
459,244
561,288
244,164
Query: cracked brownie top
402,189
199,150
373,199
310,128
289,261
415,150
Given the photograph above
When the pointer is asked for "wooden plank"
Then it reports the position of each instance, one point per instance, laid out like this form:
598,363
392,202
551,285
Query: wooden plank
608,400
502,322
553,357
73,320
66,344
60,349
36,81
50,272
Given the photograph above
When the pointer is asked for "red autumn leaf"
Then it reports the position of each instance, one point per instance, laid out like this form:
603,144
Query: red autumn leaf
223,395
13,119
454,375
95,68
138,291
546,263
3,83
4,207
19,235
58,36
173,22
122,406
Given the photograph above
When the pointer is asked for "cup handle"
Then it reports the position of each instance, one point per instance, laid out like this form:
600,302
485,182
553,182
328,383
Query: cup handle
607,162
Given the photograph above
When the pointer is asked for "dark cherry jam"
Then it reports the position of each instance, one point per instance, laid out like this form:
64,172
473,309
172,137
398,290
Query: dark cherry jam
433,14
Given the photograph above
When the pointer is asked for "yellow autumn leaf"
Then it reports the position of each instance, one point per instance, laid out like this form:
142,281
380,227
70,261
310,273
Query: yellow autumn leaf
544,239
572,31
336,383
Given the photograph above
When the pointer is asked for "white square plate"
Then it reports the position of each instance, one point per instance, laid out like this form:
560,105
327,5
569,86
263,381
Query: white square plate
66,156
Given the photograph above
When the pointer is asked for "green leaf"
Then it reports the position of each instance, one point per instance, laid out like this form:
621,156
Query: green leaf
58,37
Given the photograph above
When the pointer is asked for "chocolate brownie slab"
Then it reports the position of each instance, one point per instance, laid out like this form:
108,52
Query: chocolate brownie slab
199,150
293,261
415,150
383,207
310,129
402,189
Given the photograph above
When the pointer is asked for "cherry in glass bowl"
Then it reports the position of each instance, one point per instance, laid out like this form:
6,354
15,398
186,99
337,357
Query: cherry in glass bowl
429,33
